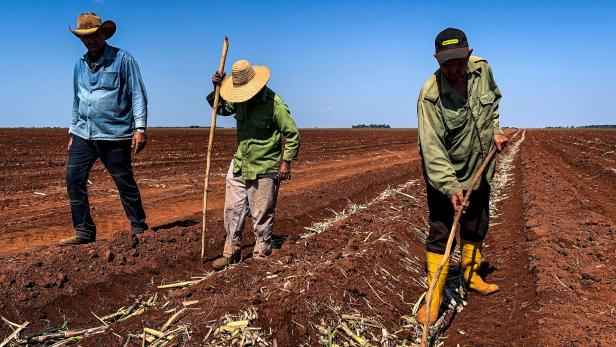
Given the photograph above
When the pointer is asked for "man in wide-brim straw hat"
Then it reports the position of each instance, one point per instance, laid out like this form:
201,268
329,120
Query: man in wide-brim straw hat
108,123
260,161
459,123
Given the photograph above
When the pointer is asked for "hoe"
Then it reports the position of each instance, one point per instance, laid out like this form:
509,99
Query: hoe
454,228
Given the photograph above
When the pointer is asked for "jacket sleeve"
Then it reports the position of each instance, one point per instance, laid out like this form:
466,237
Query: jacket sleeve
440,172
287,126
224,108
497,98
75,112
137,93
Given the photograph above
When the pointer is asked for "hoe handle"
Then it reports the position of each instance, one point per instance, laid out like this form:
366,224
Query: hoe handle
452,233
221,69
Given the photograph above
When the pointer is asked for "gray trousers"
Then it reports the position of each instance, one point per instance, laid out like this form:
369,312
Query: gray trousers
257,197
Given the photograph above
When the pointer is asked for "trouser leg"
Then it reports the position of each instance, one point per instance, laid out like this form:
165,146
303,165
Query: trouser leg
474,223
116,156
236,208
262,196
81,158
440,218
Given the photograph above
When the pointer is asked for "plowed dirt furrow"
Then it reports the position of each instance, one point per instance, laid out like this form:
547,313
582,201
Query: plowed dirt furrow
587,173
571,244
551,249
509,316
112,272
31,220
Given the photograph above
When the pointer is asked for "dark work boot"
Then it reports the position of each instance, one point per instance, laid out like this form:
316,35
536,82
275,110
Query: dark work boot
139,231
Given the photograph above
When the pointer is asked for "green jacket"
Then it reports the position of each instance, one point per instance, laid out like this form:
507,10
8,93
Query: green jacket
455,133
259,125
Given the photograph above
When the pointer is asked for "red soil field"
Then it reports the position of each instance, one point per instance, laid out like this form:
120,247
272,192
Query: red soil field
551,247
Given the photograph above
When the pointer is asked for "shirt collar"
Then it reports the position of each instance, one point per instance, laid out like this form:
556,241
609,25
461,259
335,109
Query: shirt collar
471,68
107,55
446,88
264,96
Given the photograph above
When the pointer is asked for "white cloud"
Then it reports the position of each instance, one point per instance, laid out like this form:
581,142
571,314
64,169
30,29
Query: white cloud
327,109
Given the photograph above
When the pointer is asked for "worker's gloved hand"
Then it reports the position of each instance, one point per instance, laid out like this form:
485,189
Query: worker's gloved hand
500,141
217,78
457,200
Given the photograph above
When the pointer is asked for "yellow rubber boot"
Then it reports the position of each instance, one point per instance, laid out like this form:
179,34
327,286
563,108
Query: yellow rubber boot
432,260
471,261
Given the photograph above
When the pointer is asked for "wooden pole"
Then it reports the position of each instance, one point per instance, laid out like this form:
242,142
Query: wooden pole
454,228
221,69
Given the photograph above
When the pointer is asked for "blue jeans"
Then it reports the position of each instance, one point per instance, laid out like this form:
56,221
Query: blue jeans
116,156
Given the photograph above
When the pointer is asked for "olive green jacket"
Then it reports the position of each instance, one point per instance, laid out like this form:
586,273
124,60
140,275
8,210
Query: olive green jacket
260,124
455,133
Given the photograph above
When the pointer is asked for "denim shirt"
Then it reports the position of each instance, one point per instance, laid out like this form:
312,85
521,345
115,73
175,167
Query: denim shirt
110,101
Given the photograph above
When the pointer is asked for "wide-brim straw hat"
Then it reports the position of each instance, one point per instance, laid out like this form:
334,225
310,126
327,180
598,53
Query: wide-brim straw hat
89,23
245,81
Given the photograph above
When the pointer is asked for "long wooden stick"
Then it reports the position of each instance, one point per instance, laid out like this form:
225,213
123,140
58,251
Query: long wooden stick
452,234
221,69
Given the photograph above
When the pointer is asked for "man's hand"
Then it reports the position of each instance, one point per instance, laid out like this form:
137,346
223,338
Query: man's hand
500,141
284,172
457,200
70,143
139,141
217,78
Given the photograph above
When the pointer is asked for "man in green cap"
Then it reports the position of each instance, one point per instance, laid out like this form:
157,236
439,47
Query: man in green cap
261,160
458,121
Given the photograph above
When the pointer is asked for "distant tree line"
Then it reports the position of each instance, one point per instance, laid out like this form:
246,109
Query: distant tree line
599,126
361,126
607,126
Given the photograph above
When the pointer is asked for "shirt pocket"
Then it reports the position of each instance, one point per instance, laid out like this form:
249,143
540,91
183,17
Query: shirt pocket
455,119
109,80
262,128
486,101
456,122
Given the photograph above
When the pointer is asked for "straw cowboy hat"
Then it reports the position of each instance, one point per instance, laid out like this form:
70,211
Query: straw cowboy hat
89,23
245,81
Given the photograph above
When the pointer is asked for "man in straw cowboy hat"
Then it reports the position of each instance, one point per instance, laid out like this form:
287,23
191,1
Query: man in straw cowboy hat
260,161
109,119
458,120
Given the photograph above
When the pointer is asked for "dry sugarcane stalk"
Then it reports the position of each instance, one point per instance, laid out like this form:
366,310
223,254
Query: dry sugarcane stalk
178,284
452,234
221,69
172,319
136,313
66,342
189,303
63,335
11,323
99,319
168,336
351,334
111,317
136,304
15,332
157,333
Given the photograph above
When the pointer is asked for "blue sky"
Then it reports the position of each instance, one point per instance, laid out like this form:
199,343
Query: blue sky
335,63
